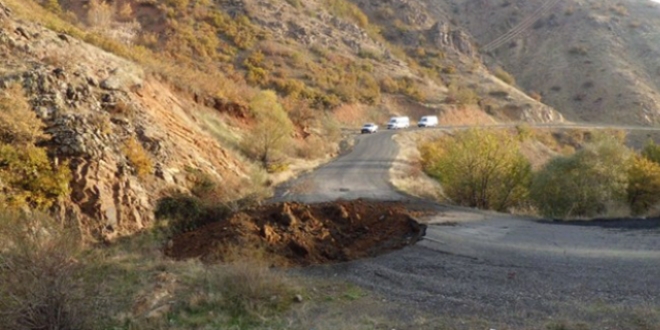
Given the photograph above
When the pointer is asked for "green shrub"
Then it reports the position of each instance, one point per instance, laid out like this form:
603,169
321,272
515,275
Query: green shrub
258,69
369,54
407,86
389,85
289,87
643,185
586,183
504,76
368,89
578,50
239,30
348,10
52,5
277,167
295,3
450,69
524,132
178,4
180,213
651,152
28,178
479,168
461,95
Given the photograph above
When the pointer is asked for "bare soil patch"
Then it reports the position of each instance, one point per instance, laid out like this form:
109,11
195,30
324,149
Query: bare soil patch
304,234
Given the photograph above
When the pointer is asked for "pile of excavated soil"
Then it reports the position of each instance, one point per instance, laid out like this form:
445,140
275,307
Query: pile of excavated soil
304,234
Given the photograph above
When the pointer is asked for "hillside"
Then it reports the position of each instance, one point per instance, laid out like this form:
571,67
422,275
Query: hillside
104,116
594,61
144,145
142,99
327,54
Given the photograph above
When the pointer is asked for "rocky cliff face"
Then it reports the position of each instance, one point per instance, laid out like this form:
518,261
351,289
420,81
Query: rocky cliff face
444,36
93,103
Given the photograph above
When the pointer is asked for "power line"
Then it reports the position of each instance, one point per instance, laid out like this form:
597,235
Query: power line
521,27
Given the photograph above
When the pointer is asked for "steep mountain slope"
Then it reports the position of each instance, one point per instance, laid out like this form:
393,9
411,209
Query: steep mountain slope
99,110
141,98
592,60
325,53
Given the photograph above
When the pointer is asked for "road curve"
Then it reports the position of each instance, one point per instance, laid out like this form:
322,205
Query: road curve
511,270
362,173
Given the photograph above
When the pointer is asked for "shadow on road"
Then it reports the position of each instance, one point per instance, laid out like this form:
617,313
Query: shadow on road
616,223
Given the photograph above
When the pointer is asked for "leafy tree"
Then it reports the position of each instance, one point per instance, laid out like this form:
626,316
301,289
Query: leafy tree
479,168
643,185
273,129
585,183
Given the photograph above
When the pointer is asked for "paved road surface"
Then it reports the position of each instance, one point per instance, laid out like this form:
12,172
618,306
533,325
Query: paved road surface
493,265
362,173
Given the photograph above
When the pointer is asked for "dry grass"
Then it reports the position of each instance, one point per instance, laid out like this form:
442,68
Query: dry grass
18,123
42,280
138,157
407,174
504,76
100,14
464,115
351,114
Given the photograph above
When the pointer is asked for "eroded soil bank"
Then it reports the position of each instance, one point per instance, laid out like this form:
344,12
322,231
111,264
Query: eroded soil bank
304,234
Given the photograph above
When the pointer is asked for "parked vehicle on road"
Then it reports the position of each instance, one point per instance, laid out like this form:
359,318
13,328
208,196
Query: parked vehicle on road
398,122
369,128
428,121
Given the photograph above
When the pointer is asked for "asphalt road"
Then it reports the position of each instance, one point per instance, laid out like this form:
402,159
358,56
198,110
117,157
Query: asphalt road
362,173
512,270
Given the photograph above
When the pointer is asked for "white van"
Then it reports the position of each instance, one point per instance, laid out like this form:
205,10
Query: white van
398,122
428,121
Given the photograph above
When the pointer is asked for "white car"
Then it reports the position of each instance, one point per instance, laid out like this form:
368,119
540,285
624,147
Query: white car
398,122
428,121
369,128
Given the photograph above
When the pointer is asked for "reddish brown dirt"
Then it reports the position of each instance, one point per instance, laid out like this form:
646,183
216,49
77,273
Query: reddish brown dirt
305,234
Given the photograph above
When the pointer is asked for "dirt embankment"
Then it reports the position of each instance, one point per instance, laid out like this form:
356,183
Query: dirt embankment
305,234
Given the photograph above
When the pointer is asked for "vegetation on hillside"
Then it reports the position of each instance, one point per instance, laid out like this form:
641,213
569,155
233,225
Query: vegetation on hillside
588,183
273,129
49,281
28,178
479,168
603,177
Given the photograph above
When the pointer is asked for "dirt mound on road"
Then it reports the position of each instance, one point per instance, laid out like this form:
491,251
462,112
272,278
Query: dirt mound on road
304,234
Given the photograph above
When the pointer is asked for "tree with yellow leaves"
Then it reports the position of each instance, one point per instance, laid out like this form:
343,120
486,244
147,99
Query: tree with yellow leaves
273,129
479,168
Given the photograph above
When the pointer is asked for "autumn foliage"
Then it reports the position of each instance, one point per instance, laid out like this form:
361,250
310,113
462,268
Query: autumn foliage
479,168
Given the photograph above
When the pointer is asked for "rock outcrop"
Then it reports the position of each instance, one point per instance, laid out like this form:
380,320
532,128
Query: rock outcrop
442,35
92,102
